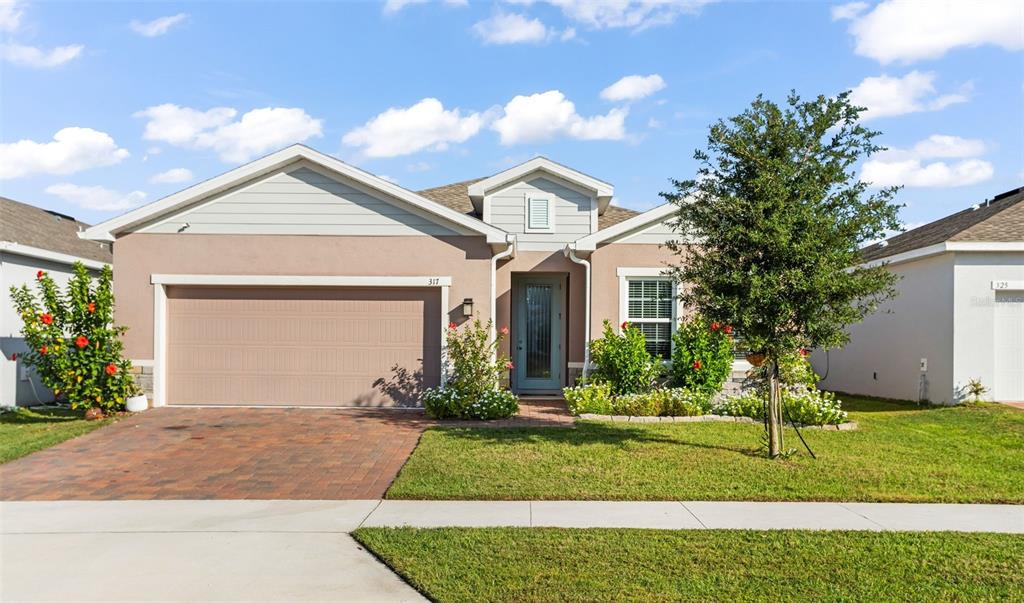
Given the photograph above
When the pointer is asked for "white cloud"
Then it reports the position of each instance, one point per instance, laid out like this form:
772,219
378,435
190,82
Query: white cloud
907,31
911,168
157,27
72,150
419,166
654,124
885,96
10,15
511,28
30,56
849,10
256,132
633,14
404,130
96,197
549,115
633,87
172,176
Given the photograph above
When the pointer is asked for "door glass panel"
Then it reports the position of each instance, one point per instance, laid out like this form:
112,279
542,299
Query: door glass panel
538,331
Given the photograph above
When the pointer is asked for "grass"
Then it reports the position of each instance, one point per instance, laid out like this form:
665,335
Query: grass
901,452
536,564
23,431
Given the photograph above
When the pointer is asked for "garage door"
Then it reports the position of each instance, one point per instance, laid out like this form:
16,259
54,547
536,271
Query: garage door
1009,342
301,346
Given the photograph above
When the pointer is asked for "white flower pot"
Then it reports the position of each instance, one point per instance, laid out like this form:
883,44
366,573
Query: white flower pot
137,403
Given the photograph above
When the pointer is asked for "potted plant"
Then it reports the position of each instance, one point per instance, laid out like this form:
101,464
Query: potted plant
755,359
136,402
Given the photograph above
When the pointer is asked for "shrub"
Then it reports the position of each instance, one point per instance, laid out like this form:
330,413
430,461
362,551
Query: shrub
473,388
681,402
702,355
637,405
74,345
492,404
622,360
592,398
795,371
803,405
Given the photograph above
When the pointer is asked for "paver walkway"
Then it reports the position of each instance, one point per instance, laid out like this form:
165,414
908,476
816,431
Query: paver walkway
239,453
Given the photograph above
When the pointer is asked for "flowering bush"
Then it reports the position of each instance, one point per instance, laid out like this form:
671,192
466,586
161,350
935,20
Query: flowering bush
804,405
592,398
473,388
74,345
637,405
702,355
682,402
622,360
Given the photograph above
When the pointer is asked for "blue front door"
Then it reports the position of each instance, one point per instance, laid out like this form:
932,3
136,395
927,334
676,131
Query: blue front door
537,339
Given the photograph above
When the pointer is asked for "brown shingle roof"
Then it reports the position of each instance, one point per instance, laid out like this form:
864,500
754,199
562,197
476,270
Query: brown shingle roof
29,225
456,196
1001,219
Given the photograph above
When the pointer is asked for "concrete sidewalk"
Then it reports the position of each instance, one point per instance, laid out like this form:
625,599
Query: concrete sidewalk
235,550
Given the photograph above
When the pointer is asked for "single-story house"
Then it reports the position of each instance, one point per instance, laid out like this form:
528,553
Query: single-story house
959,314
34,239
300,280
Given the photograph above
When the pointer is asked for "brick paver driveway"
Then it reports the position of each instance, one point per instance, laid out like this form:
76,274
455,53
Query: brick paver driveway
229,453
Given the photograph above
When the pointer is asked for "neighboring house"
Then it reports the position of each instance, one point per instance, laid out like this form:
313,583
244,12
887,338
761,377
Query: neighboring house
33,239
959,314
298,279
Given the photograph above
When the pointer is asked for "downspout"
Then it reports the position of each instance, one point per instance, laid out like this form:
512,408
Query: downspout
571,254
509,251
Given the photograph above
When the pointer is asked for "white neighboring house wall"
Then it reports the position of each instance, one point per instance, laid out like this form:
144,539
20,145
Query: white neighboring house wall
883,357
979,325
19,385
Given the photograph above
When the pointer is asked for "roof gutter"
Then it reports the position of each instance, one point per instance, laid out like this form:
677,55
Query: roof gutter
571,254
507,253
46,254
948,246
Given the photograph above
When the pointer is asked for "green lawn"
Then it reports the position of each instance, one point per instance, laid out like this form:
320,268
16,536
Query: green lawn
23,431
900,453
536,564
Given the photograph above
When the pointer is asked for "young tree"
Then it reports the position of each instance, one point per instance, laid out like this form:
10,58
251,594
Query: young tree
777,216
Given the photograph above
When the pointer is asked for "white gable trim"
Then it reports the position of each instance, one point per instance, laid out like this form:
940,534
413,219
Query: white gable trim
46,254
108,230
627,227
948,246
598,188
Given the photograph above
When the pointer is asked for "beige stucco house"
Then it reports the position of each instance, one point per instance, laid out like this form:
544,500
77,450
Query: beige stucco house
298,279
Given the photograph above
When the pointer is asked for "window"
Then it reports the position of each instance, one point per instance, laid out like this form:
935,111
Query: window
650,306
538,215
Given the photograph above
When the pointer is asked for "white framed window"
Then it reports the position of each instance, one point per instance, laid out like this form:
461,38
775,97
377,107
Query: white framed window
648,300
540,215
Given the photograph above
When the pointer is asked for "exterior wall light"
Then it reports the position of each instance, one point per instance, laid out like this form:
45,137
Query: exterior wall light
467,307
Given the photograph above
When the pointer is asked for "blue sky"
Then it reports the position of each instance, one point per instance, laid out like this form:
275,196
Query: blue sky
148,98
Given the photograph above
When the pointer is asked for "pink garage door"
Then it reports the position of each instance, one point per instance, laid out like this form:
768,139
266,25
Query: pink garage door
302,346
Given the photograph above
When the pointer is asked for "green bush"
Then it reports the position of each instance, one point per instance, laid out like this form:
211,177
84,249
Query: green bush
680,402
702,355
74,345
592,398
637,405
622,361
473,388
803,405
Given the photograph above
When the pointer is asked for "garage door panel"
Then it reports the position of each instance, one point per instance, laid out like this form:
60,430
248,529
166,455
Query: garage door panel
318,347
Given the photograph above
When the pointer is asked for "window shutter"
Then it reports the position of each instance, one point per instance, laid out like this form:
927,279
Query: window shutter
539,214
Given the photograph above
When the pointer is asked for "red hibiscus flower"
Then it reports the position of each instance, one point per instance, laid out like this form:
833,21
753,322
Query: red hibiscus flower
727,329
697,365
504,331
92,308
43,350
46,318
715,326
14,357
40,274
624,325
81,341
452,326
509,365
804,353
111,369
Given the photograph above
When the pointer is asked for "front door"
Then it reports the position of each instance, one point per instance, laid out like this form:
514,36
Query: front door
537,338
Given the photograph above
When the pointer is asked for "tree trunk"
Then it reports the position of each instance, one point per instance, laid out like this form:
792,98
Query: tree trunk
774,412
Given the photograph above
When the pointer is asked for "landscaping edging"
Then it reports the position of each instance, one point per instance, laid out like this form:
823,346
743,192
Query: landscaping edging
848,426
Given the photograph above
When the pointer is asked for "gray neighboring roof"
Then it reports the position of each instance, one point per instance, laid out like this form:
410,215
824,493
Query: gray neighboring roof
29,225
998,220
456,196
